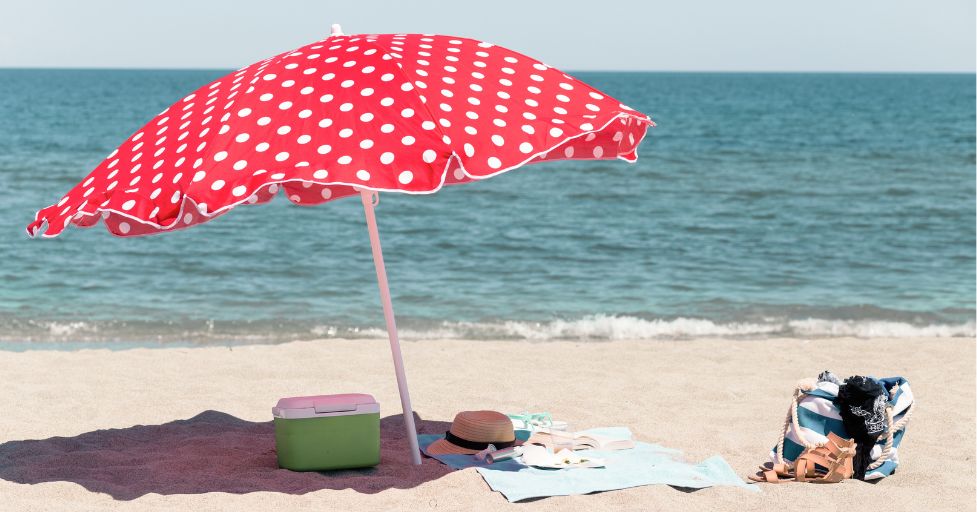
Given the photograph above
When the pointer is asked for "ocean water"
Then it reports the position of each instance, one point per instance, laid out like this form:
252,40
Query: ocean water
762,205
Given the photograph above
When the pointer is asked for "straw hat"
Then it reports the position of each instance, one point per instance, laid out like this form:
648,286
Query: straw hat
472,432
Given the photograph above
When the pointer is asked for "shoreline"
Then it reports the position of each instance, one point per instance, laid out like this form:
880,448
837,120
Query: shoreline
205,411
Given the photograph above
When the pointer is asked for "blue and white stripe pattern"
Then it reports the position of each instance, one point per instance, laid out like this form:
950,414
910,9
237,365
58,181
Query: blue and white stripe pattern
817,415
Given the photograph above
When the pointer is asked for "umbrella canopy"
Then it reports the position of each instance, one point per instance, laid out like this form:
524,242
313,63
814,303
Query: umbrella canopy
348,115
384,112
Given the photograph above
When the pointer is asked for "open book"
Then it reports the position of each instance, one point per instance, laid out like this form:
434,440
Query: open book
579,440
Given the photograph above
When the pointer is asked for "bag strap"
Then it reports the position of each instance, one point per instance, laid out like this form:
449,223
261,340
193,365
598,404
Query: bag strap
893,428
799,392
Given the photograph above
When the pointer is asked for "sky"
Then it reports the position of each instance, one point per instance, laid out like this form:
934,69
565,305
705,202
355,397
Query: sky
677,35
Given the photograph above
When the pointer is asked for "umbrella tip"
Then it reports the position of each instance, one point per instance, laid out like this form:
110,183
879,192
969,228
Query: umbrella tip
337,30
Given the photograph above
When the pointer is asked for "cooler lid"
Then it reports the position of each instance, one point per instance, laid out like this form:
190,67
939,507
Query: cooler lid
325,405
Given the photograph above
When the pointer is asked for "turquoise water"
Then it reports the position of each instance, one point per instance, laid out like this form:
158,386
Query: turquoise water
762,205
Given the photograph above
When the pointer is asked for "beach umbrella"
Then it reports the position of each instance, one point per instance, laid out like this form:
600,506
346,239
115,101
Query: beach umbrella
348,115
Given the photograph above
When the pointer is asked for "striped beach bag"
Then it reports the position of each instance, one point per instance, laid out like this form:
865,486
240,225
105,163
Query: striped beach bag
813,414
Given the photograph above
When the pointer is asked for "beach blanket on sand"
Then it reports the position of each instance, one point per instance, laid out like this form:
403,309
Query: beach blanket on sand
645,464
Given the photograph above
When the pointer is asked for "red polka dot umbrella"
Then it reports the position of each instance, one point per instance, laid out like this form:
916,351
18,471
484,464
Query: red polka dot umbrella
350,114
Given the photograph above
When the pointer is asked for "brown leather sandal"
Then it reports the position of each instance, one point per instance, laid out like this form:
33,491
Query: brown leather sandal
835,457
829,463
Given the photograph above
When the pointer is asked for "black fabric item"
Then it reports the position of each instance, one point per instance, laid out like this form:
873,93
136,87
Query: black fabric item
473,445
861,402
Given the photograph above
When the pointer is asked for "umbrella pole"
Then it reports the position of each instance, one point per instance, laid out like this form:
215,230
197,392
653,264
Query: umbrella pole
368,197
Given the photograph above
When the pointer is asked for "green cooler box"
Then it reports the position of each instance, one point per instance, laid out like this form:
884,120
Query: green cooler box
314,433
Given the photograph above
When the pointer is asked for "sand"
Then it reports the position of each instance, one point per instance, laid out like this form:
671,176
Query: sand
189,428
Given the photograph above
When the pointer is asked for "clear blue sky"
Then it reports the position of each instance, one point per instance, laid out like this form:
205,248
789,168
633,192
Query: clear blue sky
694,35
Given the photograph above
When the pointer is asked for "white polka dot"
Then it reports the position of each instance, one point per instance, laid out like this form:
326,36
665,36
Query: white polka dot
598,152
386,102
366,143
363,174
325,123
124,227
459,174
345,133
555,132
387,128
568,152
593,108
326,193
264,121
386,157
128,204
239,191
595,96
323,149
262,147
498,140
199,176
283,130
366,118
407,140
347,83
469,149
281,157
240,164
494,162
326,98
266,96
344,160
587,126
188,218
306,90
221,155
429,155
244,112
366,92
242,137
288,83
346,107
405,177
526,147
386,77
428,125
320,174
305,113
217,185
407,112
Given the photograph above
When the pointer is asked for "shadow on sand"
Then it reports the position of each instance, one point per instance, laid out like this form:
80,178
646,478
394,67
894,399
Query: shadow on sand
211,452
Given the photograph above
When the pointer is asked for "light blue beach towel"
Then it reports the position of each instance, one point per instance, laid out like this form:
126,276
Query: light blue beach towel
645,464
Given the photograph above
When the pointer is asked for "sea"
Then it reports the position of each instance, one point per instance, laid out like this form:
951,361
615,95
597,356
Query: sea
762,205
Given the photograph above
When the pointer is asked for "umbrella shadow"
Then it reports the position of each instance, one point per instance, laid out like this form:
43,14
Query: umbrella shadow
211,452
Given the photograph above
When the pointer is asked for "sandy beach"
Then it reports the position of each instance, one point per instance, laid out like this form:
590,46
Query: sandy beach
189,428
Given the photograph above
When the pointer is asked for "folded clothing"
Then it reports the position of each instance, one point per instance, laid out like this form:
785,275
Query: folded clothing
645,464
